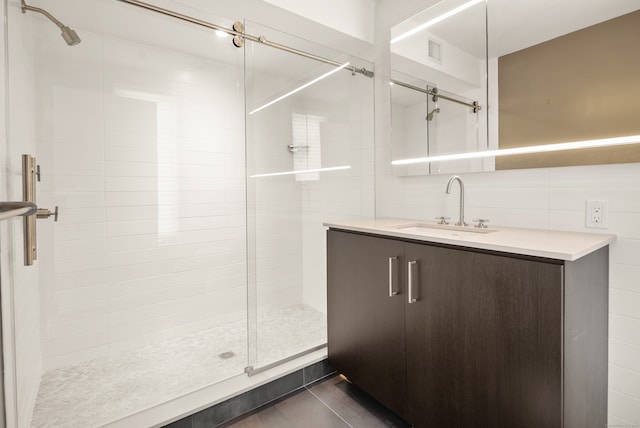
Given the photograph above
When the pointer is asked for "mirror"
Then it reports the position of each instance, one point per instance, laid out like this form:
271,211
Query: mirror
439,86
561,76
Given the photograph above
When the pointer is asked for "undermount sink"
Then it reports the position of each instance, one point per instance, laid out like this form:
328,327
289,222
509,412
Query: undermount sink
426,228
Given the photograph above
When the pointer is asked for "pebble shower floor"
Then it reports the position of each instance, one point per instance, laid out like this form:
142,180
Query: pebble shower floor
102,390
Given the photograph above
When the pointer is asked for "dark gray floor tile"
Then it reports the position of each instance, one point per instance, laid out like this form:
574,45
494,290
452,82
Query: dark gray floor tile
300,409
317,371
246,402
182,423
355,406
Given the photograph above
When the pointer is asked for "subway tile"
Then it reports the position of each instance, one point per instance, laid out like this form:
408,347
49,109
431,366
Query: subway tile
140,285
60,347
626,303
77,296
69,249
614,421
624,355
620,199
137,242
624,277
68,167
65,232
132,213
71,200
75,357
140,300
129,272
140,140
624,380
625,251
624,329
139,227
55,330
623,405
131,169
73,279
124,258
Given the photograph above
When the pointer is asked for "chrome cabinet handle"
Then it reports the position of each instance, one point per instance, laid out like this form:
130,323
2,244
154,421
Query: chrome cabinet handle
411,265
392,292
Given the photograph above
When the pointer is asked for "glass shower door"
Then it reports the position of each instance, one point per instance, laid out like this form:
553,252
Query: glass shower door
310,159
138,295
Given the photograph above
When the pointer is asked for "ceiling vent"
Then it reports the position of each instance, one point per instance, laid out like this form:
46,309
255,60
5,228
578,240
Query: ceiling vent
435,51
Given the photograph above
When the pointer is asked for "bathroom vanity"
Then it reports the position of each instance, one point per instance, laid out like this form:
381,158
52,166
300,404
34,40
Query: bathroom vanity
454,328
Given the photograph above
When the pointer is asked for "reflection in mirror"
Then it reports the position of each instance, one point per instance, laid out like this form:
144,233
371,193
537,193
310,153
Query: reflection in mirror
439,87
579,86
562,82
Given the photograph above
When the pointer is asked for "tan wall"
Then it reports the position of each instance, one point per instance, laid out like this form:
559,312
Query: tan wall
584,85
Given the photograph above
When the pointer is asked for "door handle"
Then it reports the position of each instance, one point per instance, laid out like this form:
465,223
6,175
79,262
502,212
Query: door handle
411,267
392,291
46,213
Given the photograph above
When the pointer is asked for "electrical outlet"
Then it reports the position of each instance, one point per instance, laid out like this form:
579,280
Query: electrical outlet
597,214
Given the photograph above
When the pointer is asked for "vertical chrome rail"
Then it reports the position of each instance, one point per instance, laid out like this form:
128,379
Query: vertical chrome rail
411,279
392,291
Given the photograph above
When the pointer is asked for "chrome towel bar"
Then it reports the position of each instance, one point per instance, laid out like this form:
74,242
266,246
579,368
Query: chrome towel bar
14,209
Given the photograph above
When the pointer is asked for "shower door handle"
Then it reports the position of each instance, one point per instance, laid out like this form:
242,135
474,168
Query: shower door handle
29,222
46,213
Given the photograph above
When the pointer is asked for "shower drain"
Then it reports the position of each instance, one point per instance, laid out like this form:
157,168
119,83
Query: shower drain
227,355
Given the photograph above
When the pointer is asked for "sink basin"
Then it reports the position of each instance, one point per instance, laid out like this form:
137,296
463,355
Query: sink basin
430,228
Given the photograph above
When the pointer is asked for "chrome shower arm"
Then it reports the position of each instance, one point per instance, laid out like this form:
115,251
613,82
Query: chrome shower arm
26,7
69,35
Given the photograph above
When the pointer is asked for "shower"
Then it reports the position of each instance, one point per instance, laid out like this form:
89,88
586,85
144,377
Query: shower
69,35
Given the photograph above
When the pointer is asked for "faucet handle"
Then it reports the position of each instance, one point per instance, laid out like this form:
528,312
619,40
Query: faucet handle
481,223
443,220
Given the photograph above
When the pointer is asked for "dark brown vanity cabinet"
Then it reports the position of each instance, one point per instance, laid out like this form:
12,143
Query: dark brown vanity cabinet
489,339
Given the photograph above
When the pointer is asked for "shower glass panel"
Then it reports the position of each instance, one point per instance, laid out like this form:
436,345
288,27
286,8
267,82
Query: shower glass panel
325,129
139,132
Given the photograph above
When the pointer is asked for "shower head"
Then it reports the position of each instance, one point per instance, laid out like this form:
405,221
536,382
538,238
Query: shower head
433,112
69,36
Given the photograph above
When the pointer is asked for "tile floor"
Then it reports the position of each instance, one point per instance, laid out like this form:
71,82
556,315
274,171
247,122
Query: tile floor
102,390
329,403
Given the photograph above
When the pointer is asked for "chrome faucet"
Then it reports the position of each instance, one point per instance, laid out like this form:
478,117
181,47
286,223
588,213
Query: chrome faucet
459,180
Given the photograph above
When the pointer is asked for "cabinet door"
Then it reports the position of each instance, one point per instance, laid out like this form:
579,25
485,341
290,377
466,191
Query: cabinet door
483,340
365,324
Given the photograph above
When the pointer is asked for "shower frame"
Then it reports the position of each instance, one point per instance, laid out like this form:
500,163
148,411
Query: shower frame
239,35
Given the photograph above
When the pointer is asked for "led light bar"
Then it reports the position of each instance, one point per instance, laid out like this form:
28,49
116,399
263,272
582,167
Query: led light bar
304,171
435,20
298,89
604,142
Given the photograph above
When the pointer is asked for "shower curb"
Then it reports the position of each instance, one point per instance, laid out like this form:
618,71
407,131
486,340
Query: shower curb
237,406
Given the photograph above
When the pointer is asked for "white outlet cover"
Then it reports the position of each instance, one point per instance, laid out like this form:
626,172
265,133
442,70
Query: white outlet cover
591,215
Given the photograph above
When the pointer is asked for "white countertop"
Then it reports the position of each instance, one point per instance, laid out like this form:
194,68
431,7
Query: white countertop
531,242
